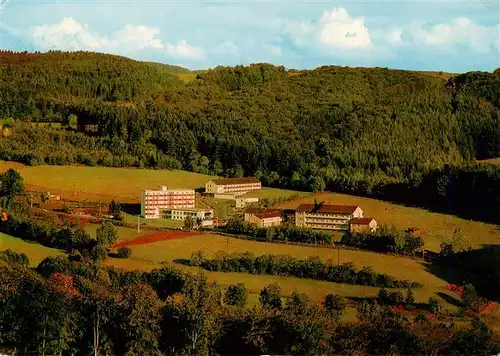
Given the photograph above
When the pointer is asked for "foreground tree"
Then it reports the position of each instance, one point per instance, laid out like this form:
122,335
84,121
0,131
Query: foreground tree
107,234
11,183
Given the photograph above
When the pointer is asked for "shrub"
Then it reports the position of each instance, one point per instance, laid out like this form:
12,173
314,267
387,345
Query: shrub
334,305
197,258
434,305
98,253
270,297
124,252
284,265
11,256
236,295
410,298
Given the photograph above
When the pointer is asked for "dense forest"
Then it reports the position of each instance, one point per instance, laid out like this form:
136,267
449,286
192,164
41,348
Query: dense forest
373,131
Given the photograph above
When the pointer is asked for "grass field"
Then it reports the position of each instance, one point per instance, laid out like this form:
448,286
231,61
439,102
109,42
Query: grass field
151,256
436,227
105,183
34,251
495,161
186,77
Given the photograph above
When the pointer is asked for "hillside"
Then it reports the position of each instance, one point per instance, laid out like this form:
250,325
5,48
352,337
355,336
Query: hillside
370,131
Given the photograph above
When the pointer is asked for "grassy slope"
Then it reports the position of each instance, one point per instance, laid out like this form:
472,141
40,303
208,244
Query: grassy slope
402,268
436,227
123,184
34,251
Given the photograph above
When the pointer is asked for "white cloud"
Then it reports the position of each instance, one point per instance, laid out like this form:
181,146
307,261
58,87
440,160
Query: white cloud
72,35
138,37
339,30
335,29
184,50
462,31
227,48
272,49
394,36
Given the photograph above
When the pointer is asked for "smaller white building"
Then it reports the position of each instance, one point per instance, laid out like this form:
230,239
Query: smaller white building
242,202
197,214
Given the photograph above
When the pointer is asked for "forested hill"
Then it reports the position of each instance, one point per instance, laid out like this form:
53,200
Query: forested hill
361,130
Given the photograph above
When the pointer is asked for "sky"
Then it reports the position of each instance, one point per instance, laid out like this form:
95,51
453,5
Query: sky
451,36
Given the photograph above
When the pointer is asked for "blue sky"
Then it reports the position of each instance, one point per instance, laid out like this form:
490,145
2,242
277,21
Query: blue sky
449,36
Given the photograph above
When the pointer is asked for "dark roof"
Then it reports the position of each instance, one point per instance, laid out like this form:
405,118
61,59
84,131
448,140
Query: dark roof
228,181
268,214
361,221
335,209
253,210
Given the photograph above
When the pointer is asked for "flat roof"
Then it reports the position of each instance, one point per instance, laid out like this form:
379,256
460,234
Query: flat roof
324,208
194,210
230,181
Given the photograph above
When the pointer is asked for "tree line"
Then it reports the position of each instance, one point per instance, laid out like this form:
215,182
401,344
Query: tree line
285,265
283,233
385,239
82,308
374,131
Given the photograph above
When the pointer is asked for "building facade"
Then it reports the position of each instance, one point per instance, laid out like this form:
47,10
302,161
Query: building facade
197,214
242,202
326,217
263,218
155,202
233,185
364,225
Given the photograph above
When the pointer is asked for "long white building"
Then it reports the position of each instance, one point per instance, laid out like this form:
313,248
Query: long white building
233,185
155,202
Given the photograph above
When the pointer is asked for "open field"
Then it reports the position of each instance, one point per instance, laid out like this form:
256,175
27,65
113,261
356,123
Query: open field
106,183
124,233
35,252
435,226
397,267
491,161
186,77
93,183
166,252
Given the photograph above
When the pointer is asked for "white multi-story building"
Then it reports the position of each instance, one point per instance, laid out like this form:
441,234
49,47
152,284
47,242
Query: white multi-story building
327,217
205,216
233,185
155,202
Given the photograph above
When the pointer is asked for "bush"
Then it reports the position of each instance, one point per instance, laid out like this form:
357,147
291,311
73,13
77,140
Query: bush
385,239
284,265
196,259
98,253
334,305
270,297
124,252
236,295
434,305
11,256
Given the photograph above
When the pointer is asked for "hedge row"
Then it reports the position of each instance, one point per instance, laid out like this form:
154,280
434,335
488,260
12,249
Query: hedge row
279,233
385,239
284,265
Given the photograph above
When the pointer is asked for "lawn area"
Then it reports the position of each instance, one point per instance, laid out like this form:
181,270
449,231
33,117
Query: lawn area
435,226
491,161
149,255
272,193
124,233
35,252
95,183
131,219
186,77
